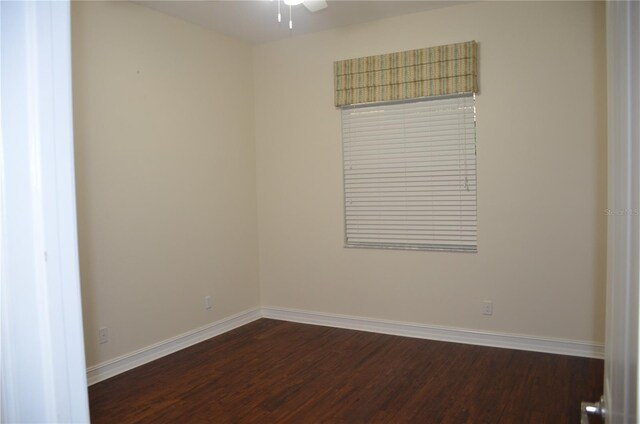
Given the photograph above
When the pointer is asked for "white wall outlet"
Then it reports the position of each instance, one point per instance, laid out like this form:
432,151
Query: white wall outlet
207,302
487,307
103,335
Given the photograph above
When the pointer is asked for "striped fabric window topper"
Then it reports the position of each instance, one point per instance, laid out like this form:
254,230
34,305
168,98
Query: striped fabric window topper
433,71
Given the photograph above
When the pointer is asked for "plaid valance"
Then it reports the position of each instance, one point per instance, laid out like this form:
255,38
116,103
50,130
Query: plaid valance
433,71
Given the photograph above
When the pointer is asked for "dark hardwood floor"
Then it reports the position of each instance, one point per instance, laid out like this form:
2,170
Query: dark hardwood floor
279,372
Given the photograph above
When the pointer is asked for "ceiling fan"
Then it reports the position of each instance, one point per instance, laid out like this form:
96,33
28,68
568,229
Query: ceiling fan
311,5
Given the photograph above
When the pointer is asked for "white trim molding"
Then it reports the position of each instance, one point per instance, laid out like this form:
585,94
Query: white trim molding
147,354
142,356
447,334
41,343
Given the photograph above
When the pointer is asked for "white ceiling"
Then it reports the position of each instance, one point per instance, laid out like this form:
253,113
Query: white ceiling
256,21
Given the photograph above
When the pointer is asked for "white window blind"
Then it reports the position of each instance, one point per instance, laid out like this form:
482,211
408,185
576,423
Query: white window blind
410,175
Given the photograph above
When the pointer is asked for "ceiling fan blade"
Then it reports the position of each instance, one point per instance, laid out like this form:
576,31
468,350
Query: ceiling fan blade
315,5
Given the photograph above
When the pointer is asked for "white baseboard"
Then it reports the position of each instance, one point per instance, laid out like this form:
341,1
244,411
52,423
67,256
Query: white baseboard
447,334
139,357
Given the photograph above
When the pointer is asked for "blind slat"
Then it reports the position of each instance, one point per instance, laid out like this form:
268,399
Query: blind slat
410,175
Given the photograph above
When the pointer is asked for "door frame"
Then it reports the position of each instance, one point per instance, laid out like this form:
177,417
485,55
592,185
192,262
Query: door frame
42,345
623,210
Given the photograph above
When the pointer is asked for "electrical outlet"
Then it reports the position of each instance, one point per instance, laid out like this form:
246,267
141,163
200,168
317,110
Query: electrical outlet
207,302
103,335
487,307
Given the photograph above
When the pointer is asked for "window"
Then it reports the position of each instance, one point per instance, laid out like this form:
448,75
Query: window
410,174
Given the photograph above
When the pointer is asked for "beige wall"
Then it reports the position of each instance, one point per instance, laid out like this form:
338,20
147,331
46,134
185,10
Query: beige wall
541,176
166,115
165,165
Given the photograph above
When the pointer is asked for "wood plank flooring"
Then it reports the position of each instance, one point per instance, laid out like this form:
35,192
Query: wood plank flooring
279,372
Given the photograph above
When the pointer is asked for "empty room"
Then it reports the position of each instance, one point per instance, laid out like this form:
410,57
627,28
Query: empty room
308,211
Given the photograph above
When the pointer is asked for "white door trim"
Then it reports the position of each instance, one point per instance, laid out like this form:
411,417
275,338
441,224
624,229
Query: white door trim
43,365
623,253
